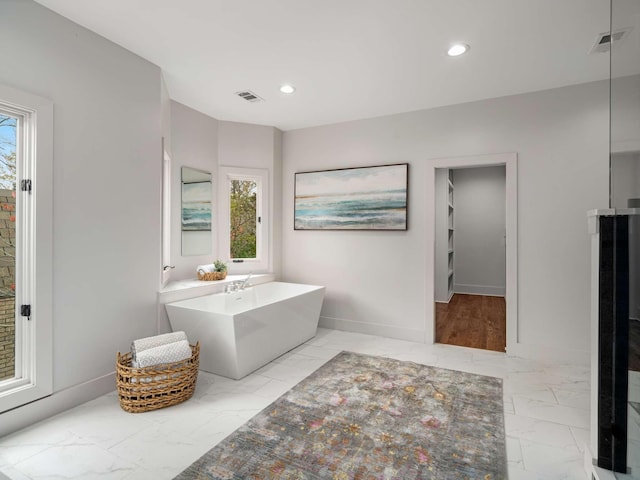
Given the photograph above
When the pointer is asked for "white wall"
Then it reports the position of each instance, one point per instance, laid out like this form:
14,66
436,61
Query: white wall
625,113
479,222
165,101
106,187
246,145
276,196
376,280
194,143
625,178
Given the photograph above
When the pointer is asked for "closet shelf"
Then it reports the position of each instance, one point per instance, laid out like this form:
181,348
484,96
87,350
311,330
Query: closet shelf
445,220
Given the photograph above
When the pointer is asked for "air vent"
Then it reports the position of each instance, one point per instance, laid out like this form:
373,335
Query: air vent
604,40
249,96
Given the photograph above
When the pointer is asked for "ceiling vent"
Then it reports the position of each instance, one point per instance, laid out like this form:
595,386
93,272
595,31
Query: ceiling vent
249,96
604,40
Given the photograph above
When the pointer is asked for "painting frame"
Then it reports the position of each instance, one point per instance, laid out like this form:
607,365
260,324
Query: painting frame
353,199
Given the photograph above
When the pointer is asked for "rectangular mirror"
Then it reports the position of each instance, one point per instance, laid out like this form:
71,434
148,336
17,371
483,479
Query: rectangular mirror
196,212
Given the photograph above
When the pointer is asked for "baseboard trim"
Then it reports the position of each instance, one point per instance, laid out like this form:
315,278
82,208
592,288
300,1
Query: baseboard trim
535,352
489,290
596,473
389,331
448,298
21,417
549,354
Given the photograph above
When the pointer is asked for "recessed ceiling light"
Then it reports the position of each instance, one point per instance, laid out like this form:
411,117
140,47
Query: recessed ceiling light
286,88
458,49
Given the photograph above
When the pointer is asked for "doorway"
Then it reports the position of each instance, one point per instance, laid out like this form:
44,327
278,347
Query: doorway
468,303
470,257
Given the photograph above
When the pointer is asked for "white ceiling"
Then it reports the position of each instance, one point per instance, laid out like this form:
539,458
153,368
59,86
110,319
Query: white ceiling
352,59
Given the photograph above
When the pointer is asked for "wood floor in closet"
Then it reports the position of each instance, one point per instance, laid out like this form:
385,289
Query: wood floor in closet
475,321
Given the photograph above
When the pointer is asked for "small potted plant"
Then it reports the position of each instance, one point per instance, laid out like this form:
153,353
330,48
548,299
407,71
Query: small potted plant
220,269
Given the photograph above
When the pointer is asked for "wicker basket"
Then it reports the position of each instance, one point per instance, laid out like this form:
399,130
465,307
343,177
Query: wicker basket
150,388
212,276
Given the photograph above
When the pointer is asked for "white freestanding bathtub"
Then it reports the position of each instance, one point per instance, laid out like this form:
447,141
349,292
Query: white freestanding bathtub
241,331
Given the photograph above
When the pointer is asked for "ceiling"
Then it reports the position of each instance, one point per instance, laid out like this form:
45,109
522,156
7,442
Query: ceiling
352,59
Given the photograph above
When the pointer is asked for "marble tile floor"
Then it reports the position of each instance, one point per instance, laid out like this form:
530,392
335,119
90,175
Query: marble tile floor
546,416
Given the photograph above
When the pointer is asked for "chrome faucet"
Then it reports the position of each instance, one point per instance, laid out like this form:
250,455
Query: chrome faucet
238,285
245,283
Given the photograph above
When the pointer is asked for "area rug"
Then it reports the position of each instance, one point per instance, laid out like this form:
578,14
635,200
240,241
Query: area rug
363,417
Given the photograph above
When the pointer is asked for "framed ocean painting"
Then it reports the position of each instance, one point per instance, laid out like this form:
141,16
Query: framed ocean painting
365,198
196,206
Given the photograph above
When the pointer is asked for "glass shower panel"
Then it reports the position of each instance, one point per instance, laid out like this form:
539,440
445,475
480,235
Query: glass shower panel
633,409
624,195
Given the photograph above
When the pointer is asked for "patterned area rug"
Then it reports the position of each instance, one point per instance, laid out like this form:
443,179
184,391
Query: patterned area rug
364,417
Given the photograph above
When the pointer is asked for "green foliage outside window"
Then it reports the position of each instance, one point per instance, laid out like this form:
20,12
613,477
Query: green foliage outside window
8,132
243,218
7,152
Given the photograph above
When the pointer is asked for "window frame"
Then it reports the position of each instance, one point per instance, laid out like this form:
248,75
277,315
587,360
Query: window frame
166,217
34,252
261,177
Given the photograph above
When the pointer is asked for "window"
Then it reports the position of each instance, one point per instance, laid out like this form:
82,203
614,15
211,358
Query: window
244,219
25,245
9,126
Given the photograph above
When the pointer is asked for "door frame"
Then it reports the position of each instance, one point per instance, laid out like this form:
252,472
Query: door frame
510,161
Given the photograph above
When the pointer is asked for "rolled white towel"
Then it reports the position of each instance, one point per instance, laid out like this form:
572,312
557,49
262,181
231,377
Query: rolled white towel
146,343
210,268
168,353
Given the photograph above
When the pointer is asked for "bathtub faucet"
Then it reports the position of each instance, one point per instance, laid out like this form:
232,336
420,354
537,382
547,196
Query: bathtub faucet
238,285
245,283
